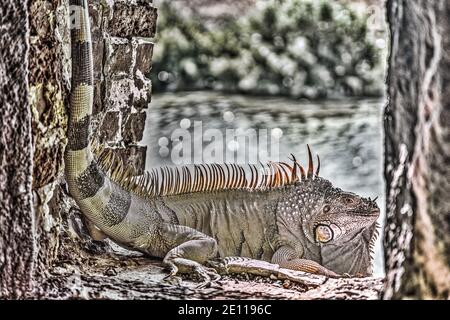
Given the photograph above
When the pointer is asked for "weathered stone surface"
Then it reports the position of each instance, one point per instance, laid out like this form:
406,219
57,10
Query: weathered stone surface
143,53
96,15
49,131
48,78
119,61
143,96
40,24
128,58
110,128
127,93
99,97
133,20
134,155
17,243
121,274
98,48
133,127
119,94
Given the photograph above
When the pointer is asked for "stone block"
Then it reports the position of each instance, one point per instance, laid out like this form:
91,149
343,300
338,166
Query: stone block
127,93
119,94
134,156
133,19
95,13
119,58
144,93
98,97
110,128
143,52
133,127
124,58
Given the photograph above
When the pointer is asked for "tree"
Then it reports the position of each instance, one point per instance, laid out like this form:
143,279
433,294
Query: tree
417,147
16,211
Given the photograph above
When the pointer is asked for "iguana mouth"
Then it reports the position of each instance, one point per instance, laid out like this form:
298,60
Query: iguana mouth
366,213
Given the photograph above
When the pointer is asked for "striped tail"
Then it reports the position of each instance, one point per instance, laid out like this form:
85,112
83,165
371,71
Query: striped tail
87,183
78,155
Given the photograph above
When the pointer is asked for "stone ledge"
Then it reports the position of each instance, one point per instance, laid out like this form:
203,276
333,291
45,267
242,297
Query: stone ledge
131,277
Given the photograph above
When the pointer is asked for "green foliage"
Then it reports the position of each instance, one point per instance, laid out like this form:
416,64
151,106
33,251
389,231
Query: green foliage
297,48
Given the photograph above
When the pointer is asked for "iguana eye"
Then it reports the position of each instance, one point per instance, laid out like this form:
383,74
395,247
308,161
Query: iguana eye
349,201
326,208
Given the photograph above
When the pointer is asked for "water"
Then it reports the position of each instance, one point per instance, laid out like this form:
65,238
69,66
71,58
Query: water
346,134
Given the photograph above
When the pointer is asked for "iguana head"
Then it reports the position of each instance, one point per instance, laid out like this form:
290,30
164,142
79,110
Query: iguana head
340,216
339,226
325,214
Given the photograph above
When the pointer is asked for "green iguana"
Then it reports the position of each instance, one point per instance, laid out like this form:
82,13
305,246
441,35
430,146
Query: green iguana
189,215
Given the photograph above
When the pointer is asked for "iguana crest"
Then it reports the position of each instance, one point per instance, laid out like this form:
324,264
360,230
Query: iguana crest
166,181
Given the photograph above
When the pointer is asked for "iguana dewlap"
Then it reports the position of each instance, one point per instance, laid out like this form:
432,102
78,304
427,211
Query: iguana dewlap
189,215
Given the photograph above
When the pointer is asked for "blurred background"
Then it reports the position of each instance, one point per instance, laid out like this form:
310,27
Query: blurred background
309,71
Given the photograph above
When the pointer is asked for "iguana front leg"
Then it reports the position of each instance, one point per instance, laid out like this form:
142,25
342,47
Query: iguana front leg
286,257
192,249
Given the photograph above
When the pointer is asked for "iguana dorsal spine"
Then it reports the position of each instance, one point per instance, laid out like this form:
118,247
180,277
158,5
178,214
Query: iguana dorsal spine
166,181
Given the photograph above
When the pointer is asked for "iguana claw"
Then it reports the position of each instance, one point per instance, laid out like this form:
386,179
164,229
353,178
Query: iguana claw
346,275
208,276
172,279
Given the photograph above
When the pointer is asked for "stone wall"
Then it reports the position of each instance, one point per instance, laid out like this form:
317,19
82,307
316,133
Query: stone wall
16,214
122,48
122,59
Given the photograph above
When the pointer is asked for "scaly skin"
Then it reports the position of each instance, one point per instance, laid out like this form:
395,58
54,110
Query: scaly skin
305,225
279,225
